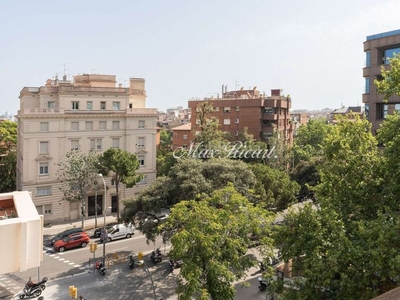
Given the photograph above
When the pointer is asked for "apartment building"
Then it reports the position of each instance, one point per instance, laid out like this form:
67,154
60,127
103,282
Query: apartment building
88,112
263,115
182,136
378,49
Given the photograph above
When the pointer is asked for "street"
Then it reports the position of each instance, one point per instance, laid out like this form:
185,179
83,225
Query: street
120,282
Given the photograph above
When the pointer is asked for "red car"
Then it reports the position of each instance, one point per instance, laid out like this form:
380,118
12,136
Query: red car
72,241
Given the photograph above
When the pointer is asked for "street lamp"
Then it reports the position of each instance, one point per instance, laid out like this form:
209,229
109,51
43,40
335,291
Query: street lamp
104,222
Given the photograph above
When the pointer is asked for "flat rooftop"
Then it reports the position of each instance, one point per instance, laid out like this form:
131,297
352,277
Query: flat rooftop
383,34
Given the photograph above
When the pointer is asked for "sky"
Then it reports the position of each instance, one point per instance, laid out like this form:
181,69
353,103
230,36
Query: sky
311,49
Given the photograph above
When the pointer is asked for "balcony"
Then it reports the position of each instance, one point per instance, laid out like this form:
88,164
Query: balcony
90,90
269,117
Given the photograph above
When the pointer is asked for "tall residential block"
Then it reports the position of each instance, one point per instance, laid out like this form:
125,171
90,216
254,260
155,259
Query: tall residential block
379,48
89,112
263,115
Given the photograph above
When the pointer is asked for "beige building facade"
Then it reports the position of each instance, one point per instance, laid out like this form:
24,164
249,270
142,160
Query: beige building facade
89,112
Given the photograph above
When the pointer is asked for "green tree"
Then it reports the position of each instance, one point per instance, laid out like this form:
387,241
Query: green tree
210,235
122,166
165,141
306,175
390,83
77,174
187,179
274,187
8,156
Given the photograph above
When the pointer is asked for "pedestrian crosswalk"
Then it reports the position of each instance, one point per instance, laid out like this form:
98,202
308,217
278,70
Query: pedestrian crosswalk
9,284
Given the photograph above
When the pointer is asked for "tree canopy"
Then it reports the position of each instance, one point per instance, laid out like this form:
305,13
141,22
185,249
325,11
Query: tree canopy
210,235
8,156
390,83
121,165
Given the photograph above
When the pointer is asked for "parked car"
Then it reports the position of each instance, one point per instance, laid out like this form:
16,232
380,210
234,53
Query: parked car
97,231
65,233
72,241
157,218
119,231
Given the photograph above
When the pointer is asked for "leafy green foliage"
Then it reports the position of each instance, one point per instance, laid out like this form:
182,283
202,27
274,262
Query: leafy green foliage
390,84
8,156
274,187
78,175
122,166
210,234
306,175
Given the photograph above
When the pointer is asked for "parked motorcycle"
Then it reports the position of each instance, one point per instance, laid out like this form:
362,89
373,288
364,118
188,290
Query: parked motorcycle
156,256
174,264
100,268
33,289
262,283
131,261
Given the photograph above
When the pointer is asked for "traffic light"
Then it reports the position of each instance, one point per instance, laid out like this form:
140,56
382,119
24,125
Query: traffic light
73,292
140,256
93,247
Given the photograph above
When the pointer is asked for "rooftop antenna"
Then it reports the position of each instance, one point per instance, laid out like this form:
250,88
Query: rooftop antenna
65,69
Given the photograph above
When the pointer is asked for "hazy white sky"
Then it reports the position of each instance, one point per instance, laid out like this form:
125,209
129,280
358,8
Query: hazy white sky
312,49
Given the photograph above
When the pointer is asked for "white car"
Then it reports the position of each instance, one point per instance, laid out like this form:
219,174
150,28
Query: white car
119,231
158,218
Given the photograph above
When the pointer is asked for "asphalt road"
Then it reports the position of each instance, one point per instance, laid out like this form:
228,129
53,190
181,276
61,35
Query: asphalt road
72,268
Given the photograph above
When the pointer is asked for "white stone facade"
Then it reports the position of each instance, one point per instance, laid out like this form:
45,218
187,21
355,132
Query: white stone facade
89,112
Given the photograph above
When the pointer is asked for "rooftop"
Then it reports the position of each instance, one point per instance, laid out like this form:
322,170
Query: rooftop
383,34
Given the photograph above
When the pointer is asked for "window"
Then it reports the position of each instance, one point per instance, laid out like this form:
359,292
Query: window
112,181
268,110
43,147
74,125
143,180
39,209
115,142
184,146
227,121
116,106
237,108
141,124
140,142
216,108
141,160
368,59
115,125
89,105
44,126
74,144
43,191
47,209
103,125
50,104
237,121
74,105
382,111
367,111
44,169
367,82
102,105
95,144
389,53
227,109
396,107
184,136
89,125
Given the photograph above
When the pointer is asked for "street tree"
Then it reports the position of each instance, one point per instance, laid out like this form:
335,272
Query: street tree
121,165
389,84
344,245
77,173
211,235
8,156
274,187
187,179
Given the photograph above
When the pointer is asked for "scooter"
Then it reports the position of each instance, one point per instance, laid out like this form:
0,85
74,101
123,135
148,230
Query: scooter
156,256
131,261
100,268
262,283
174,264
33,289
